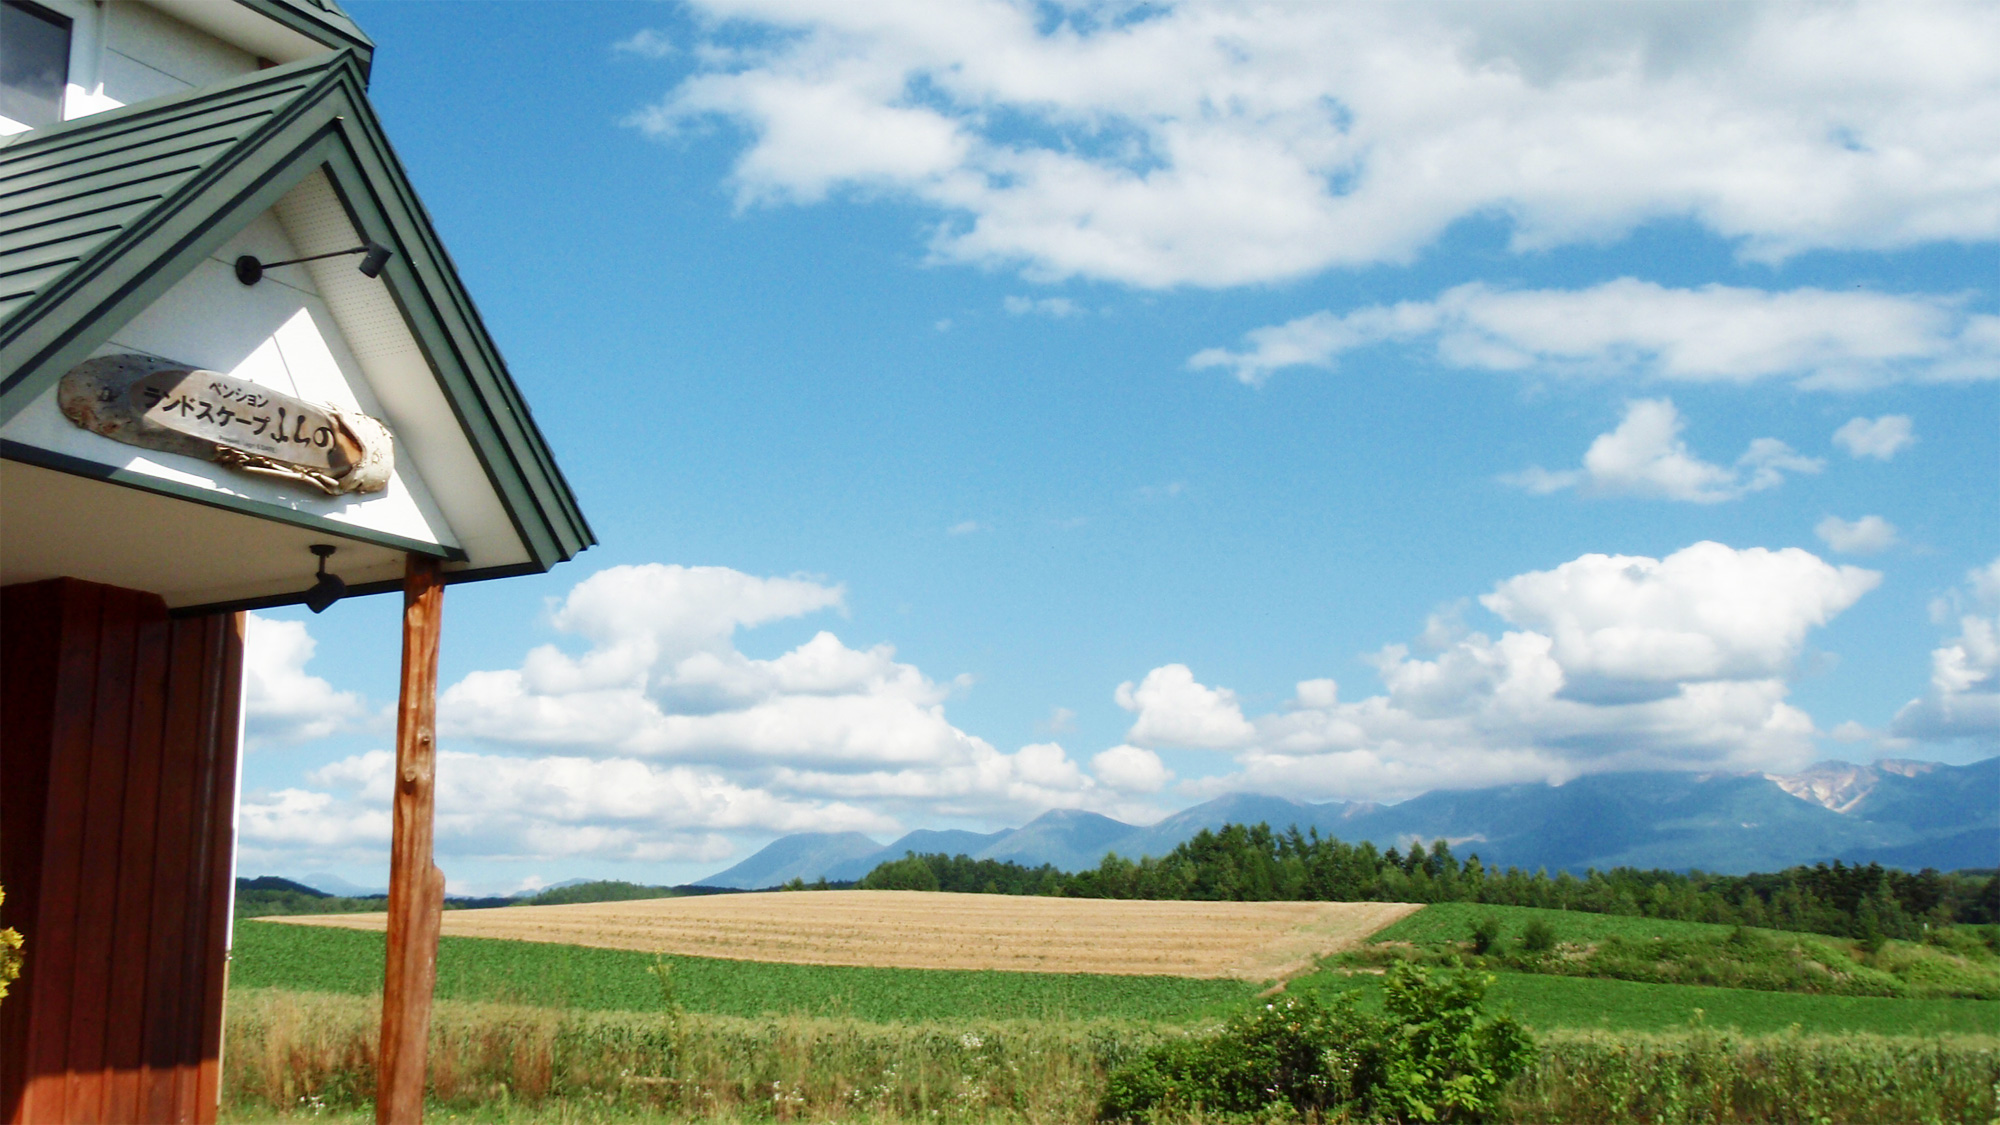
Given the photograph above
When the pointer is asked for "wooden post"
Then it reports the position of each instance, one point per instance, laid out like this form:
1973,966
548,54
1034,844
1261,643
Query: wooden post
416,886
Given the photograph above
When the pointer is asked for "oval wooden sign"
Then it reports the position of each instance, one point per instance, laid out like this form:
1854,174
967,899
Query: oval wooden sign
172,407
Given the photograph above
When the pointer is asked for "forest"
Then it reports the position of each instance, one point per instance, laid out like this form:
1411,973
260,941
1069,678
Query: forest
1253,863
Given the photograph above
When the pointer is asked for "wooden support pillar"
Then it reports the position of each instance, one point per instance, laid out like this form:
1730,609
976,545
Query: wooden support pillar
416,886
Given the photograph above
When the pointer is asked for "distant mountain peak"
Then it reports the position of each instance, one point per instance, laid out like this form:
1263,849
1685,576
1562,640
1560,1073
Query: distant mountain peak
1840,786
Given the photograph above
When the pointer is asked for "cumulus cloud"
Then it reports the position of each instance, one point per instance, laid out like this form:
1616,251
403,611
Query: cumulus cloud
1715,334
1646,457
1963,702
494,807
1175,710
1880,438
1131,769
1239,143
661,741
1611,662
1864,536
282,702
660,680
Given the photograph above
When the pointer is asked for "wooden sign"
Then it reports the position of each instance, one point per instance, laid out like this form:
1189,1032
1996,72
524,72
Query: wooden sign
174,408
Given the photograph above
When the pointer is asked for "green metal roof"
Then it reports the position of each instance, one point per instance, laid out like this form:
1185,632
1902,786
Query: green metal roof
101,215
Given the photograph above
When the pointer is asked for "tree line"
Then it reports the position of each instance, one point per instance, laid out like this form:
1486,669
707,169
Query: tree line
1256,864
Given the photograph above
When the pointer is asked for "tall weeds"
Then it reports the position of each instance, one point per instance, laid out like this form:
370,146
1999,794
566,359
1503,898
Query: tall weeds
298,1053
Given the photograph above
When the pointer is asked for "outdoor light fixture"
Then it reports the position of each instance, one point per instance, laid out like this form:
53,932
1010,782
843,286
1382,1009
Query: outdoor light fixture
250,271
329,588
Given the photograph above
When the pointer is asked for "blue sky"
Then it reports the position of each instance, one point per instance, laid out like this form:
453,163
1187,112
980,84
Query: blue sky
1106,379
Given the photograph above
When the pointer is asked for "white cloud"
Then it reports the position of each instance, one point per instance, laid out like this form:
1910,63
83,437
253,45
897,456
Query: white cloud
281,701
1864,536
647,42
1613,662
1131,769
967,527
495,808
1715,334
1963,701
1880,438
662,681
1646,457
1237,143
1057,307
1175,710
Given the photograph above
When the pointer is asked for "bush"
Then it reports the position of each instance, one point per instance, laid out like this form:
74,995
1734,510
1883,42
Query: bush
1538,937
1442,1062
1485,934
1433,1058
10,954
1294,1054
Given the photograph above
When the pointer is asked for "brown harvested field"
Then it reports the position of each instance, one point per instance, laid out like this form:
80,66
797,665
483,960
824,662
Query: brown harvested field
927,930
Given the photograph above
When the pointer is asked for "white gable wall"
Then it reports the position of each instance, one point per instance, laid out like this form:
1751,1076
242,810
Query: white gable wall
321,332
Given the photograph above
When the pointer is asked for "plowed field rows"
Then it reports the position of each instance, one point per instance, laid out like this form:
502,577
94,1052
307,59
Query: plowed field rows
918,930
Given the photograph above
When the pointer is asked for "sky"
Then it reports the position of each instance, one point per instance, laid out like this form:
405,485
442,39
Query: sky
986,408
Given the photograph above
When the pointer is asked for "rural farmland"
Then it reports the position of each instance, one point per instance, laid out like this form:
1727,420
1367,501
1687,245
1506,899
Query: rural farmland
1254,941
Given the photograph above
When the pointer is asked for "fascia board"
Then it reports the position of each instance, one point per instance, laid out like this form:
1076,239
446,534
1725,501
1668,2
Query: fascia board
441,313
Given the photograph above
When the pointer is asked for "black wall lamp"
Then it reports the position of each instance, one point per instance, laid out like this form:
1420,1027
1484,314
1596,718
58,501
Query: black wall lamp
250,271
328,589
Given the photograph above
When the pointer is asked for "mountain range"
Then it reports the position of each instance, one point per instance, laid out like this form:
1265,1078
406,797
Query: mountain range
1899,813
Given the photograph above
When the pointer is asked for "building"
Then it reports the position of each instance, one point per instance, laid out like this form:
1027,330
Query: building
237,370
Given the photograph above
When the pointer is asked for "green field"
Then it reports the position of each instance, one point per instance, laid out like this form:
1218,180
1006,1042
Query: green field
326,959
1956,963
1548,1003
1452,921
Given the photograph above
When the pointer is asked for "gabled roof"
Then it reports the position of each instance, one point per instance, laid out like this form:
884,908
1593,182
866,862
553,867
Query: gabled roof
101,215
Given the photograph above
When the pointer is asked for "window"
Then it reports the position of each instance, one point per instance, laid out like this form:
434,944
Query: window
34,63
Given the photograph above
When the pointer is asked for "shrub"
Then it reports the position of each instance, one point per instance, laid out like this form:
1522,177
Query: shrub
10,954
1433,1058
1538,937
1295,1054
1442,1061
1485,934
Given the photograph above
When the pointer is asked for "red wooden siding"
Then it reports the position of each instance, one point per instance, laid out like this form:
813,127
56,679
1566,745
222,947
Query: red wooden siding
118,731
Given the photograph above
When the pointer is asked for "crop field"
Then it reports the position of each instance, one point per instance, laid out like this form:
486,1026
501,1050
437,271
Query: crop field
270,955
1252,941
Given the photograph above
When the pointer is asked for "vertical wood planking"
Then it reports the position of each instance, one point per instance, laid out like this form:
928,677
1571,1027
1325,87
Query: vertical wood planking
165,988
124,1052
30,627
104,806
220,833
117,783
416,886
54,961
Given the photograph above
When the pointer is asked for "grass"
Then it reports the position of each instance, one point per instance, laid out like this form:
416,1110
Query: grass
1452,921
305,1055
1954,963
326,959
1548,1003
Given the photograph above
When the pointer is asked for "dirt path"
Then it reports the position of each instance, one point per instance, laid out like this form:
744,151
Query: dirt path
919,930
